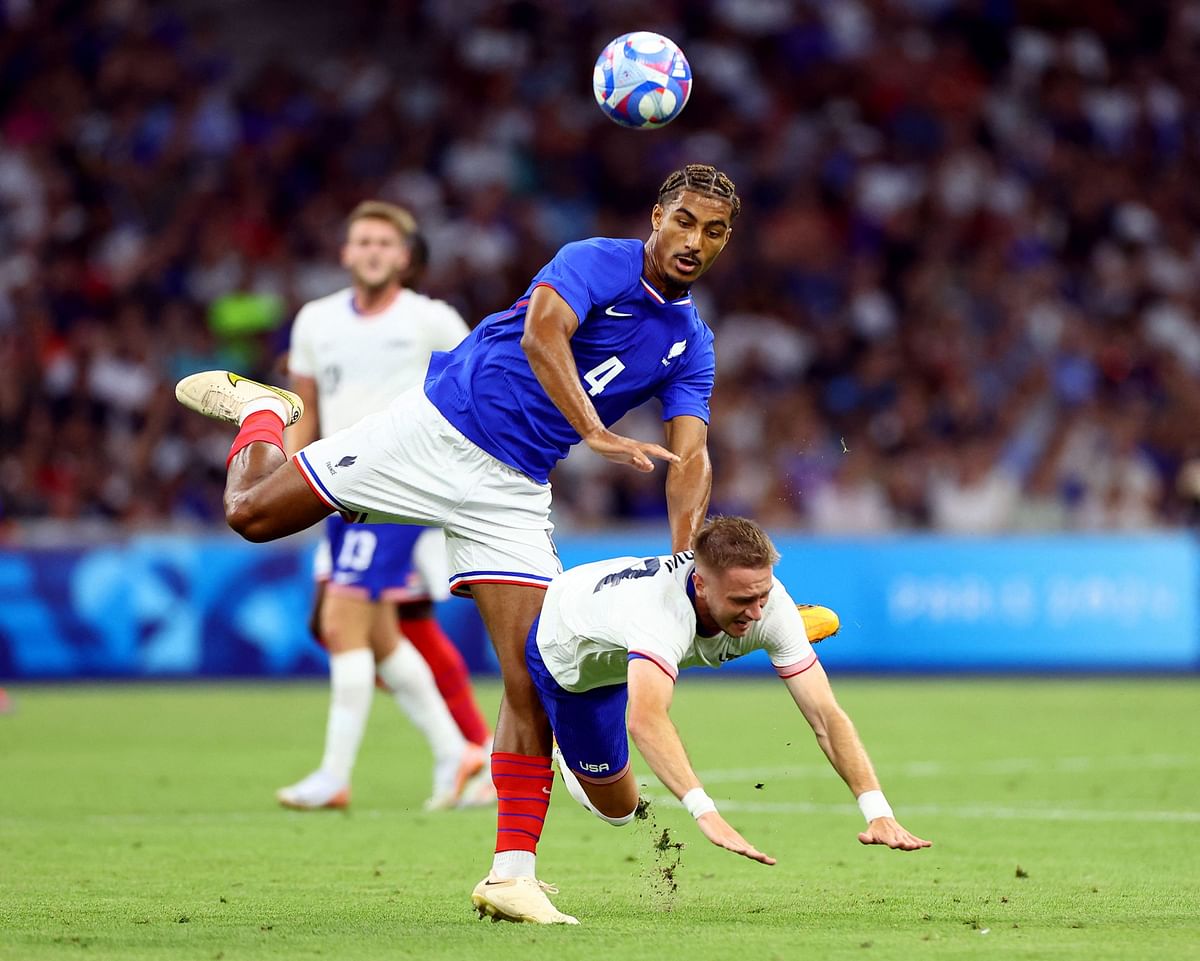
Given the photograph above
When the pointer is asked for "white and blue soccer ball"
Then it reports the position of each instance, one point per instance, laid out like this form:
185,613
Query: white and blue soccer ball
642,80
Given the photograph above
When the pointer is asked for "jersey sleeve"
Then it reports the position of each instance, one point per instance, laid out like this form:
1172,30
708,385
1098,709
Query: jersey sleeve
784,636
688,392
588,273
657,640
450,328
302,360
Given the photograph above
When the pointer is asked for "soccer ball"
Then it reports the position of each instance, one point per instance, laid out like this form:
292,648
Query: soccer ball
642,80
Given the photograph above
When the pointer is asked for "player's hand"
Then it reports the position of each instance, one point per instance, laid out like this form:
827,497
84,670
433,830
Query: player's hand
626,450
889,831
719,831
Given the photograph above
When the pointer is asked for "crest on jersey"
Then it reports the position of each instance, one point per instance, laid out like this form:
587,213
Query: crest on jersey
677,348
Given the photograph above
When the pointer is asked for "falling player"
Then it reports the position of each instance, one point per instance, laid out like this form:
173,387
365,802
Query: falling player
610,642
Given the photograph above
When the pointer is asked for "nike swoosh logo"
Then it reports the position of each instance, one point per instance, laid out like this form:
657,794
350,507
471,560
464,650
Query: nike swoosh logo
616,313
545,790
235,379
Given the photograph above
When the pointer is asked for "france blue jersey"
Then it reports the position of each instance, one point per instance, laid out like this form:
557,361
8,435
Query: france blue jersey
631,345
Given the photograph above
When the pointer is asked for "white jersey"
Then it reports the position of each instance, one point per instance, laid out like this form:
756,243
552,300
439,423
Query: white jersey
597,616
362,362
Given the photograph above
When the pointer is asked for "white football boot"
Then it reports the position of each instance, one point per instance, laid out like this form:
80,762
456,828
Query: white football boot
223,395
518,900
318,790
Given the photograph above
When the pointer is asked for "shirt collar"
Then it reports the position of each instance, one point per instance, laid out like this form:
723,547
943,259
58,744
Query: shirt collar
684,301
691,593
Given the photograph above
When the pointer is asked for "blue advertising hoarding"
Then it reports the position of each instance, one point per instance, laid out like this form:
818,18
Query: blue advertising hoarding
217,607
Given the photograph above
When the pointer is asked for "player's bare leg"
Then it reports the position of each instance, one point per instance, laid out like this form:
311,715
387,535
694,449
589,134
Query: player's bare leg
265,497
615,801
508,612
520,765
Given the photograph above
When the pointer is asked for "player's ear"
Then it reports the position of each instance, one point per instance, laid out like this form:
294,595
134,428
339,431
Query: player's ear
345,258
656,216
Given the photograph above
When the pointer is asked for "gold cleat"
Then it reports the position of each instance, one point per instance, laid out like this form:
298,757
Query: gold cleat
819,622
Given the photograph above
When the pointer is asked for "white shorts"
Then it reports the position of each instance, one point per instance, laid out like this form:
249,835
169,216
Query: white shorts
409,465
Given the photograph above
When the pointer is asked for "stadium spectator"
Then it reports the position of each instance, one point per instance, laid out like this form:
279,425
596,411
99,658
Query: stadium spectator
958,209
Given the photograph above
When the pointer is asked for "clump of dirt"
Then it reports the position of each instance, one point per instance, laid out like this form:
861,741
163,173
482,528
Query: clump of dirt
670,853
667,853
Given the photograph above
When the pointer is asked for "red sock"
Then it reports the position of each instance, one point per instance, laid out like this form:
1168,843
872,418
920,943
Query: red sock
262,425
450,674
523,791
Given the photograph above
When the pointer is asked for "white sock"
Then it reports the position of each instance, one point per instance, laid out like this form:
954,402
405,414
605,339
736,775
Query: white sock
351,687
514,864
274,404
411,682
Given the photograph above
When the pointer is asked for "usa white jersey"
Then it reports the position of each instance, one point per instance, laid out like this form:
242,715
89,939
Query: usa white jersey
598,616
362,362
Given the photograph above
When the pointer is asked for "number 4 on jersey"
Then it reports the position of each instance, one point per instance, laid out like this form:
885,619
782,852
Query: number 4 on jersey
602,374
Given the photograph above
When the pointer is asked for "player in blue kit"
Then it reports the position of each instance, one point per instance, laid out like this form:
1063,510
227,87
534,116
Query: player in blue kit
605,326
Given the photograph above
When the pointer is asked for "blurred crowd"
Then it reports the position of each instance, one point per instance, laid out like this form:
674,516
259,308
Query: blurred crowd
963,293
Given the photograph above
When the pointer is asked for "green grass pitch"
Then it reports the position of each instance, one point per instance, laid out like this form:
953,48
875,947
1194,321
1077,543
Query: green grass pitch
138,822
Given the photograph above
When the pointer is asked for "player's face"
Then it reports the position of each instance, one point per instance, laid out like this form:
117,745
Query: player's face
733,600
689,234
375,253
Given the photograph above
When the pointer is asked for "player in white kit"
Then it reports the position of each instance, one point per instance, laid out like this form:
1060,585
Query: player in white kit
610,642
351,353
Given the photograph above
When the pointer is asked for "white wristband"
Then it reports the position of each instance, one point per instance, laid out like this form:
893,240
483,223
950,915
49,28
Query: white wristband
697,802
874,805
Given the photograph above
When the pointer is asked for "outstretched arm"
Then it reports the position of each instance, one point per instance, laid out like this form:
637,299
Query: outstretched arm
839,740
650,693
550,323
689,481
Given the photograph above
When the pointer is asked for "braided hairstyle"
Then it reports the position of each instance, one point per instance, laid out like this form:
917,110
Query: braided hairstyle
702,179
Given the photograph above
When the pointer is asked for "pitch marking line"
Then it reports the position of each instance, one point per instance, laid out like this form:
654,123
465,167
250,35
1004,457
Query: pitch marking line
997,766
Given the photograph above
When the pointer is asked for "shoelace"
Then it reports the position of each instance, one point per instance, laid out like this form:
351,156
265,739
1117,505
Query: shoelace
548,888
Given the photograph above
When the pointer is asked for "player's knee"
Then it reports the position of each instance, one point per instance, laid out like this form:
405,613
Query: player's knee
612,814
245,517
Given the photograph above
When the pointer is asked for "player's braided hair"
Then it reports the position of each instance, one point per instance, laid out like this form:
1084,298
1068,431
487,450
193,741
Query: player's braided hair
703,179
727,542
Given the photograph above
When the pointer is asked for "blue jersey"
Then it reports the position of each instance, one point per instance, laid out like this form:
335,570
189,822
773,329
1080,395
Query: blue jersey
631,345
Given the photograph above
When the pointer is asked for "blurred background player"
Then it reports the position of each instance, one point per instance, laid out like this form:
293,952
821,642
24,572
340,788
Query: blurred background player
614,635
351,353
604,327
